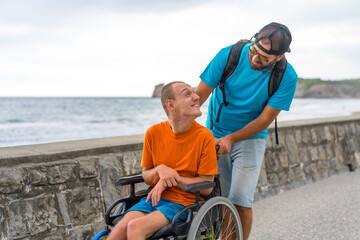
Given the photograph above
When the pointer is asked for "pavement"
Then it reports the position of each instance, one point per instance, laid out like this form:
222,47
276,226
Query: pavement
326,209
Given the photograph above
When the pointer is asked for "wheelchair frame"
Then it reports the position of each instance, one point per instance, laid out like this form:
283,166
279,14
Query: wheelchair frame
205,219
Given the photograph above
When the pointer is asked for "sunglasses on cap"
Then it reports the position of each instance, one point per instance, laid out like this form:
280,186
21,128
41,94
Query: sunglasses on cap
262,58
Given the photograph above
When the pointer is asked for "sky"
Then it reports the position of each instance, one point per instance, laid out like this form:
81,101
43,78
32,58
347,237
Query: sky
123,48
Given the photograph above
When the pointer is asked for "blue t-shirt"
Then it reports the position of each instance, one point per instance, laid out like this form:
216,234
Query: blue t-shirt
246,90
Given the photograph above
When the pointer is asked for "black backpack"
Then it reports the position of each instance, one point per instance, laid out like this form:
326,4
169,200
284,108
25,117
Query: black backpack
232,62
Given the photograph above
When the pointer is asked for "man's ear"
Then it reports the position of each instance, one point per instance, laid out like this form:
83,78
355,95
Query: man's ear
169,104
280,57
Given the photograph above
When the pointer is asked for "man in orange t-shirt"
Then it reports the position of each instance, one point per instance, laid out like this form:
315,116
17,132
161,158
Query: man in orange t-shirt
176,152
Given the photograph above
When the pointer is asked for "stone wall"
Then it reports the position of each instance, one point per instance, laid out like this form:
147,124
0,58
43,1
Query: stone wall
308,151
61,190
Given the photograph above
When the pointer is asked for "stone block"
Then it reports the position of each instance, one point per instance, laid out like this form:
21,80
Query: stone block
341,132
339,152
329,151
283,178
334,163
292,185
307,181
291,175
273,179
333,132
293,151
88,168
84,205
111,169
312,171
322,153
321,135
263,176
132,163
303,154
81,233
299,172
36,176
328,134
352,144
357,158
314,135
3,227
324,174
324,165
357,126
306,136
272,164
55,234
314,154
61,173
279,190
64,209
351,129
298,136
11,180
32,216
283,160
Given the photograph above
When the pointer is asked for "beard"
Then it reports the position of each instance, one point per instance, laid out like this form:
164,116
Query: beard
261,66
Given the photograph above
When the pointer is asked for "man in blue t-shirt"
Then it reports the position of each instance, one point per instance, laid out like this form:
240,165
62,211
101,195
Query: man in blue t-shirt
242,126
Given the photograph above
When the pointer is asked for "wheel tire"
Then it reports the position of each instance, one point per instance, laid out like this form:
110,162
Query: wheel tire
208,222
101,236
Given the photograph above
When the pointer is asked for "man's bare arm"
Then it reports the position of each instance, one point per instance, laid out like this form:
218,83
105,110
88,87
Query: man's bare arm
169,176
203,91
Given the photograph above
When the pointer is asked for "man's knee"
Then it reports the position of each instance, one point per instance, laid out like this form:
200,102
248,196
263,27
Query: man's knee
243,210
135,229
119,231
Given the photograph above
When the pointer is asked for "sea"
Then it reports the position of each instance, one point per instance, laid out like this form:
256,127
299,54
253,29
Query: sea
37,120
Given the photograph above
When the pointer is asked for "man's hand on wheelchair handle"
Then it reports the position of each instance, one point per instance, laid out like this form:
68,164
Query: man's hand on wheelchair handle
224,144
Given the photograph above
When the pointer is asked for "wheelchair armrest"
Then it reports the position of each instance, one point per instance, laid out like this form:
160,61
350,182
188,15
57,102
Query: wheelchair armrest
108,218
197,187
130,180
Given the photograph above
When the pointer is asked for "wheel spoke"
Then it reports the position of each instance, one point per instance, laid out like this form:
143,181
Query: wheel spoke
216,219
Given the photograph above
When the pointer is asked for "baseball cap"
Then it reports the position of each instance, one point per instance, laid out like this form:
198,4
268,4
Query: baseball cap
279,37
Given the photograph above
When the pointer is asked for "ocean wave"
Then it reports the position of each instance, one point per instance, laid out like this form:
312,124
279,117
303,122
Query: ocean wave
15,121
86,118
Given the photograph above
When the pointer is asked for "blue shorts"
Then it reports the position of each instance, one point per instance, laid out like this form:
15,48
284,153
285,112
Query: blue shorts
166,207
240,171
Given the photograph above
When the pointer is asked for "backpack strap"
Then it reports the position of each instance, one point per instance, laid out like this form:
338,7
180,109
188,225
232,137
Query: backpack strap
274,83
276,76
231,64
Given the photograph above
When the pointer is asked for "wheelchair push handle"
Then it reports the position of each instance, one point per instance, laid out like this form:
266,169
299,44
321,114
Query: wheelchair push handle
197,187
130,180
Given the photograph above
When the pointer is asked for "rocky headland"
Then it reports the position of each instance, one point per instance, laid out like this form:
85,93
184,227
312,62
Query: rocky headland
317,88
157,90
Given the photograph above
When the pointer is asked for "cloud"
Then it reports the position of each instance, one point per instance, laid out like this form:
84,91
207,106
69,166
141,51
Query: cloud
125,48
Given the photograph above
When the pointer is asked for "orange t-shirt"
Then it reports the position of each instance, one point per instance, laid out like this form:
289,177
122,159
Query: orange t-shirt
190,153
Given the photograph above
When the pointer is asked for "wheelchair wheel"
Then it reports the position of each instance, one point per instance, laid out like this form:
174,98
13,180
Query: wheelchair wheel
101,236
217,218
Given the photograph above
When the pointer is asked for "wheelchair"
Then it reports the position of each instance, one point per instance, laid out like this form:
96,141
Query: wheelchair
214,218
